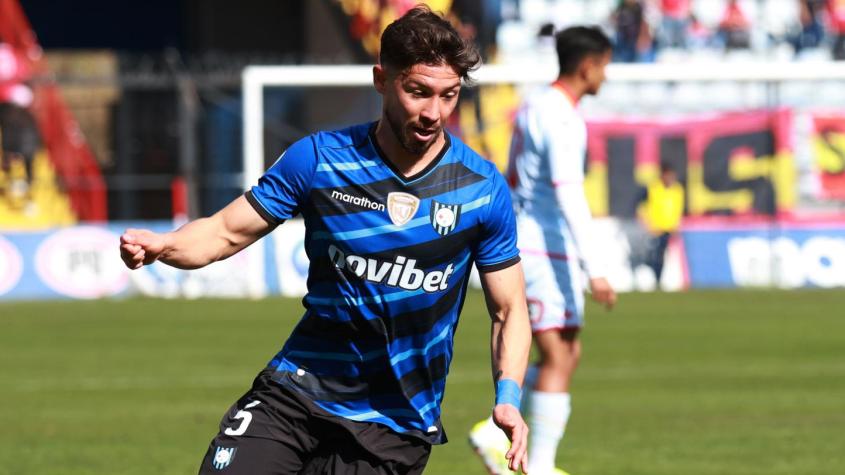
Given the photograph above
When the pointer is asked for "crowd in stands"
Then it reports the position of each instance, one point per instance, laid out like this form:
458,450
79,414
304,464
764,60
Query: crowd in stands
658,30
643,27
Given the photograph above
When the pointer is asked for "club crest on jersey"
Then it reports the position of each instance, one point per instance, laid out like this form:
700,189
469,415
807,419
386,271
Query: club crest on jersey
401,207
223,456
444,218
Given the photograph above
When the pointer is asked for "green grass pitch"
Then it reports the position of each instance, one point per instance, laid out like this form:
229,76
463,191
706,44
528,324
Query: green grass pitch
726,383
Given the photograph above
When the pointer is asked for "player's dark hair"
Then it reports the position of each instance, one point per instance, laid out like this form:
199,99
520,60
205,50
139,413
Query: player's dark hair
578,42
421,36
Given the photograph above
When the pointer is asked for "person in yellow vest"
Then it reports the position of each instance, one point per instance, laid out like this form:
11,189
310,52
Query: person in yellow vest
663,210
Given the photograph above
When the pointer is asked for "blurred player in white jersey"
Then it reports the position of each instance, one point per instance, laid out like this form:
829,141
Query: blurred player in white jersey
556,241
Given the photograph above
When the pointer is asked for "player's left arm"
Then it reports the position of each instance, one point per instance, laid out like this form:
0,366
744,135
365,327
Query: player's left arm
567,175
573,203
510,343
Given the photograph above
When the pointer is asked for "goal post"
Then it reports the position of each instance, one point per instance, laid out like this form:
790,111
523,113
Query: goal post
256,78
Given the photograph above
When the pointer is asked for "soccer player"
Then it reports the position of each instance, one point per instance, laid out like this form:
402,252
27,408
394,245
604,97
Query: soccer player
396,212
546,172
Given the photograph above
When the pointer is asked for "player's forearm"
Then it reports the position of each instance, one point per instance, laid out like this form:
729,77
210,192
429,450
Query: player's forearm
510,343
197,244
510,335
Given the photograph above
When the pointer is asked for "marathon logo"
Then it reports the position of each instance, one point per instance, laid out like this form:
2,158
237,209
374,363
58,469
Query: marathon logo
402,272
357,201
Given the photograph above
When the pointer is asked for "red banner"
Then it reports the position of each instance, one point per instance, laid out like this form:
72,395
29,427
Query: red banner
729,163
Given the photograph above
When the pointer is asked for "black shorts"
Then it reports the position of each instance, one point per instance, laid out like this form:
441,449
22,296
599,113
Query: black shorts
274,430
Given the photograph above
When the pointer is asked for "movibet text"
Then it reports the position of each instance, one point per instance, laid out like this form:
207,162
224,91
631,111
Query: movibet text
402,272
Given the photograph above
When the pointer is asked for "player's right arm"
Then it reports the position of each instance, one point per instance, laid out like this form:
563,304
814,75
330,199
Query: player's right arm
198,243
277,197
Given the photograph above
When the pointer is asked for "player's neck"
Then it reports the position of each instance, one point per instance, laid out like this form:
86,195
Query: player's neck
405,162
571,88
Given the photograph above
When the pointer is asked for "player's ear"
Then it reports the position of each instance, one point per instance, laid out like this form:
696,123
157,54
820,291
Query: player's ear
379,78
584,68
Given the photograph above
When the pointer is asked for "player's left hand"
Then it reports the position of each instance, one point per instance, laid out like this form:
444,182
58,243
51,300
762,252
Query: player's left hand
602,292
508,418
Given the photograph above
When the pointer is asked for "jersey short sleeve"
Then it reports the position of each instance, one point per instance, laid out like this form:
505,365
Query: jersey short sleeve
497,245
283,188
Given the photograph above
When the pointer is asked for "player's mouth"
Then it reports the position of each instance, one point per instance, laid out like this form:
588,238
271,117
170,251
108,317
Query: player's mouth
423,134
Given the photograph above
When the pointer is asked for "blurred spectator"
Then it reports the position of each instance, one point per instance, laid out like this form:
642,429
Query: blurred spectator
836,18
19,138
20,141
13,73
478,20
811,31
674,23
634,42
735,27
664,208
698,35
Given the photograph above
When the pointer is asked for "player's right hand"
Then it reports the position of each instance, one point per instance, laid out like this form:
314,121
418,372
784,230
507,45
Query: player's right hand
508,418
602,292
139,247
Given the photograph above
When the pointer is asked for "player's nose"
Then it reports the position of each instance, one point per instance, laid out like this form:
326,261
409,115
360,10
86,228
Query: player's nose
430,113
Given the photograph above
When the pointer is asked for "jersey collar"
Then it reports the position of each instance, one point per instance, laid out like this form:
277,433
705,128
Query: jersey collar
567,92
408,179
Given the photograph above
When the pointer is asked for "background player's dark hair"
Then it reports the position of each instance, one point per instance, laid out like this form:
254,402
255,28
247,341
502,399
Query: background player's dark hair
578,42
424,37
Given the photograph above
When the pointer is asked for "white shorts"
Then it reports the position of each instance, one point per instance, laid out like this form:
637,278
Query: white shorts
554,281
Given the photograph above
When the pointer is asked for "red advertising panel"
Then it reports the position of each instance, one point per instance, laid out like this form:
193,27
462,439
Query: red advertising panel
828,143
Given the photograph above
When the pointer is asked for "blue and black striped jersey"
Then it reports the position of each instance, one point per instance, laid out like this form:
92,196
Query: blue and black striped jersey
390,258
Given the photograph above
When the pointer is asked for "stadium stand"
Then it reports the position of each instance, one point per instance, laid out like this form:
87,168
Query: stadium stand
49,177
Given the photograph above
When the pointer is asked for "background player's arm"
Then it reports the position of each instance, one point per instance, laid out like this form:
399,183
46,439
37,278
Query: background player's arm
573,203
199,242
504,291
567,164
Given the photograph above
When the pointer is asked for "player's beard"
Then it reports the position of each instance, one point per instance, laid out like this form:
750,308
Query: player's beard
592,87
404,133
